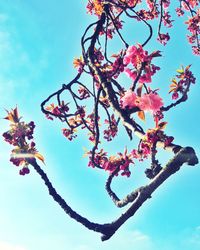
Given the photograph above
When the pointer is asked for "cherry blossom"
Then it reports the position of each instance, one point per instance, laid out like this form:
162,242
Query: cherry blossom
129,100
150,102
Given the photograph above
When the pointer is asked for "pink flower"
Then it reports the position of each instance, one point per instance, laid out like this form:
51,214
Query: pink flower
175,95
150,102
128,100
150,4
191,3
179,12
196,50
163,38
166,3
132,74
135,55
139,59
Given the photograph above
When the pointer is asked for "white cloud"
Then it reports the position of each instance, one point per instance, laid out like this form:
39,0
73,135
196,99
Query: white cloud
18,68
194,239
86,240
9,246
122,240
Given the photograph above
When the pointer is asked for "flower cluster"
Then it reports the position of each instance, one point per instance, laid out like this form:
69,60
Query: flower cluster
69,133
166,3
110,29
147,14
151,4
122,161
91,125
18,136
152,136
179,12
189,4
147,102
95,7
193,24
114,69
141,61
57,110
83,92
79,64
181,83
131,3
163,38
74,122
112,130
110,164
167,19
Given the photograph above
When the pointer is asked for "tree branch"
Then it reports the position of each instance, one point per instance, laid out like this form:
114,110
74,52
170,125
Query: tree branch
185,155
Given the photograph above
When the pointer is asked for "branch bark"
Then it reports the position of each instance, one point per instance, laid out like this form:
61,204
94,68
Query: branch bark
185,155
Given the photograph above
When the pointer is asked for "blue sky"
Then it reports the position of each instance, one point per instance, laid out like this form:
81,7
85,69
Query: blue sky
38,41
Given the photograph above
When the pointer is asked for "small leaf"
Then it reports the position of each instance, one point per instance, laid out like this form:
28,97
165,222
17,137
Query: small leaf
162,125
78,62
174,81
188,67
156,53
115,56
141,115
39,156
173,85
13,116
180,71
172,90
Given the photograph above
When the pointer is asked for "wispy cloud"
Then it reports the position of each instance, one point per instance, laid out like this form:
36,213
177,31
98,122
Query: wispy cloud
194,239
9,246
123,240
18,67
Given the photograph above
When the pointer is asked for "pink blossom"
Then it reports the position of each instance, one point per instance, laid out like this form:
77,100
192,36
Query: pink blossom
139,58
163,38
179,12
196,50
132,74
136,55
128,100
191,3
150,4
175,96
150,102
166,3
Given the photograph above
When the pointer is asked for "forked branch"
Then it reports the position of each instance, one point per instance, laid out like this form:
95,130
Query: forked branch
185,155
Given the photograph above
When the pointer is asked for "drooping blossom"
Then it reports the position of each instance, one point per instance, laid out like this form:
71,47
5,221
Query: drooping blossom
140,60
